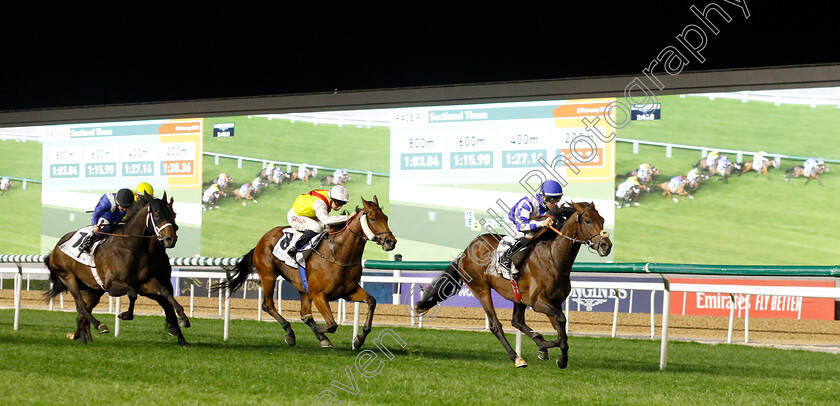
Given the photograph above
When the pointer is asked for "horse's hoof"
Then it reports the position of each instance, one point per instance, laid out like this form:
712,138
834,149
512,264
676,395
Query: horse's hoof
185,323
326,343
520,363
126,316
357,343
542,355
70,336
290,340
103,329
562,362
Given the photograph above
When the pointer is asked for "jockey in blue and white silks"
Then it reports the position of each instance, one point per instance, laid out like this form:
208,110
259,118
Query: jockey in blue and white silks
519,218
722,163
675,182
109,212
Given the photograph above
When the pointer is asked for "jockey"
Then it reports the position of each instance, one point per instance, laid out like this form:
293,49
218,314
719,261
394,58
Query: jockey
723,162
674,183
4,183
643,172
303,172
692,175
243,190
338,176
758,160
223,180
310,213
142,189
519,218
107,214
811,164
711,157
208,194
626,186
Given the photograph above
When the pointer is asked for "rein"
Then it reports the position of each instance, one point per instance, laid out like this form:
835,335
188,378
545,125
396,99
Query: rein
589,243
148,222
367,234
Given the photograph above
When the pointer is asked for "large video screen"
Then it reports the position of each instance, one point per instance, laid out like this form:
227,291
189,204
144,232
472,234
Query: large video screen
447,173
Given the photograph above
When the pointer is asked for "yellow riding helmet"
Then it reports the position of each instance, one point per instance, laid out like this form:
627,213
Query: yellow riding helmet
143,188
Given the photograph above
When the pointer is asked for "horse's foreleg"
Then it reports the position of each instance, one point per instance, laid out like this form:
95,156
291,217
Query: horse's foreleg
164,289
306,317
89,299
120,288
169,311
323,306
559,321
497,330
518,321
360,295
269,307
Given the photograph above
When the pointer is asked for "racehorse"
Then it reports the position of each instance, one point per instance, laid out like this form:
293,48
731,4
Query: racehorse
747,166
727,171
251,193
632,195
132,261
279,179
798,171
296,176
680,190
5,185
333,271
544,277
332,180
692,185
210,199
704,166
647,179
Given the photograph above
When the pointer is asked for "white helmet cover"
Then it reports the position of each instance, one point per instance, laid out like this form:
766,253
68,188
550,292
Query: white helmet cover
339,192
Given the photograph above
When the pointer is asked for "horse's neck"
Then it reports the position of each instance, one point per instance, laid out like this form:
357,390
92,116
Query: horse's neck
135,227
351,243
563,250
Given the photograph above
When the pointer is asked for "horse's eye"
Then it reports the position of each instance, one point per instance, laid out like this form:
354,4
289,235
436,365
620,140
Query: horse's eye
372,218
588,221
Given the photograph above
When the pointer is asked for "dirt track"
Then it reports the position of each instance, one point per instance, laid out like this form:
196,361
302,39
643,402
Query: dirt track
806,334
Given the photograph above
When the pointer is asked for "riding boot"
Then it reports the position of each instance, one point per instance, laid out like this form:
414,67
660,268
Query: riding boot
505,260
87,243
307,235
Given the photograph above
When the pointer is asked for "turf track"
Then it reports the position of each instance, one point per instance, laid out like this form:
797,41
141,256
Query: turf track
144,365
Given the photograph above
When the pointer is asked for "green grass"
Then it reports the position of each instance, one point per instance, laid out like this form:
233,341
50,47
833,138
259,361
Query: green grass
749,220
144,365
20,210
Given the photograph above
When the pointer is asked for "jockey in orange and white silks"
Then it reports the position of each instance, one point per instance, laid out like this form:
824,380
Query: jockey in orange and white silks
310,213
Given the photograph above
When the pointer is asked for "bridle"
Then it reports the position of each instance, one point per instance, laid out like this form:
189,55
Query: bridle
588,242
367,233
150,224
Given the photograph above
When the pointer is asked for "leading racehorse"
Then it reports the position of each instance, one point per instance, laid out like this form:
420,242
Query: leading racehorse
333,271
132,261
543,283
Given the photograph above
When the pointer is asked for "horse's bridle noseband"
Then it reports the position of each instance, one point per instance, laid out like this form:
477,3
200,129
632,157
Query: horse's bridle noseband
588,242
151,222
368,233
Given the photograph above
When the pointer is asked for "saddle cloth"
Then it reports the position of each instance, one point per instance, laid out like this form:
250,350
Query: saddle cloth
71,247
290,237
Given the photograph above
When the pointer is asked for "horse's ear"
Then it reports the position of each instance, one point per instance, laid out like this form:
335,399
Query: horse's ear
375,200
164,196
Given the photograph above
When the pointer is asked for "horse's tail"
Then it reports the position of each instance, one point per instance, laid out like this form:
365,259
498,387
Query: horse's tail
790,170
241,271
443,287
698,162
57,286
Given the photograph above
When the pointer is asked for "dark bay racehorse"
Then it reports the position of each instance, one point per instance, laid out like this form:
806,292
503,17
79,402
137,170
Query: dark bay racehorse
543,283
131,261
333,271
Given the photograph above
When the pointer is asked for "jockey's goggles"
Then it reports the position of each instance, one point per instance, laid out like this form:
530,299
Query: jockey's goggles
552,199
339,203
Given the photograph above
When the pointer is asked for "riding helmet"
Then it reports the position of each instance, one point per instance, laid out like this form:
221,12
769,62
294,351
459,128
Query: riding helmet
144,188
339,193
551,188
125,198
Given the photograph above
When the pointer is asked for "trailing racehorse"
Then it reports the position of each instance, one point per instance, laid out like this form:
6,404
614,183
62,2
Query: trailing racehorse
132,261
332,272
798,171
543,283
747,166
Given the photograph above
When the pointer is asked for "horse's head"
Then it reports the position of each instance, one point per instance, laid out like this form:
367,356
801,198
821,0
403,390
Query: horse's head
586,226
160,220
374,224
